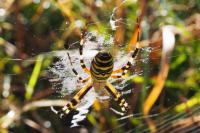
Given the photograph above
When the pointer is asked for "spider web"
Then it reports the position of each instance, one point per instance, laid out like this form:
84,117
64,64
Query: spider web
66,82
91,47
165,122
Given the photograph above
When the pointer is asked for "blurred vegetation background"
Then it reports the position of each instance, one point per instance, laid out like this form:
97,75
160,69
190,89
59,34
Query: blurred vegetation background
165,97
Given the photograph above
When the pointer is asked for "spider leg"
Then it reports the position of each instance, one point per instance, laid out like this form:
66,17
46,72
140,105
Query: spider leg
81,52
117,96
75,72
125,68
74,102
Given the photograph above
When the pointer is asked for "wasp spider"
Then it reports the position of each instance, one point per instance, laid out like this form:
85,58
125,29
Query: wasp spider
100,70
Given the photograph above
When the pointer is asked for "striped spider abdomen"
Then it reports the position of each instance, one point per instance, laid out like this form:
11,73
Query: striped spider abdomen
101,66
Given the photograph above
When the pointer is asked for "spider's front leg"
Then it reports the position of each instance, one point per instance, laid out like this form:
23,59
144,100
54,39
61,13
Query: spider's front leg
80,79
117,96
74,102
125,68
83,34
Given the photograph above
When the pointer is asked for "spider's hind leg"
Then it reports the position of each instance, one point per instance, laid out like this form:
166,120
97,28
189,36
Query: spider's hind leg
118,97
74,102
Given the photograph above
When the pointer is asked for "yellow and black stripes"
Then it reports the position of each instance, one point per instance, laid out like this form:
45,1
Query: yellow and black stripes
125,68
101,66
117,96
130,62
75,101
